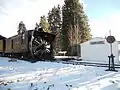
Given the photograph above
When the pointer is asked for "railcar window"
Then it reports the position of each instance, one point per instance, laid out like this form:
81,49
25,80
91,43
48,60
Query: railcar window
12,44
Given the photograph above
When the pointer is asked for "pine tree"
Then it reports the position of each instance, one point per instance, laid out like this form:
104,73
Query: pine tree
44,24
85,32
54,19
21,28
75,28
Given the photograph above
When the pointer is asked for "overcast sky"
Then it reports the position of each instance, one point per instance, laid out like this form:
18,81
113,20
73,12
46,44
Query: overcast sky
104,15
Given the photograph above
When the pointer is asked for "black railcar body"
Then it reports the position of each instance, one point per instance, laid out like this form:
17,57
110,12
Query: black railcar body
31,44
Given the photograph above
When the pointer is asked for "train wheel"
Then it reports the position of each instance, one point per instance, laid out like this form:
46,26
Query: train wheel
39,47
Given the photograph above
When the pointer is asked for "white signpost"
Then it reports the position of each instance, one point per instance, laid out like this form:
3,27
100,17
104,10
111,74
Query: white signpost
111,39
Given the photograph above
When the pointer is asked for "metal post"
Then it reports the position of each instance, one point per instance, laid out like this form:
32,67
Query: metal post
110,43
111,48
109,63
111,67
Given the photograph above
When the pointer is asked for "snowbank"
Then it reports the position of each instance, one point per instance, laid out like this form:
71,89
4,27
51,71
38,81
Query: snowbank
22,75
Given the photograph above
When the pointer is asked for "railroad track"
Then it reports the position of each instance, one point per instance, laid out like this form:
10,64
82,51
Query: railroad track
89,64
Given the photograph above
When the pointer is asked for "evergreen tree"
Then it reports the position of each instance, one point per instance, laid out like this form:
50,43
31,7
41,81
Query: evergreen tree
44,24
21,28
54,19
85,32
75,28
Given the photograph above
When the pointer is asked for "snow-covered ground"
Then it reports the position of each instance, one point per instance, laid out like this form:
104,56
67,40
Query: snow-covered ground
22,75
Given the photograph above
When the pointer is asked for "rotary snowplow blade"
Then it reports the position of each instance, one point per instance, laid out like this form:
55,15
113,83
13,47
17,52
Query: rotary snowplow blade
44,35
41,45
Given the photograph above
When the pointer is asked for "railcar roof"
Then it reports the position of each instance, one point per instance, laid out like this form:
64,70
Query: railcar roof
2,37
